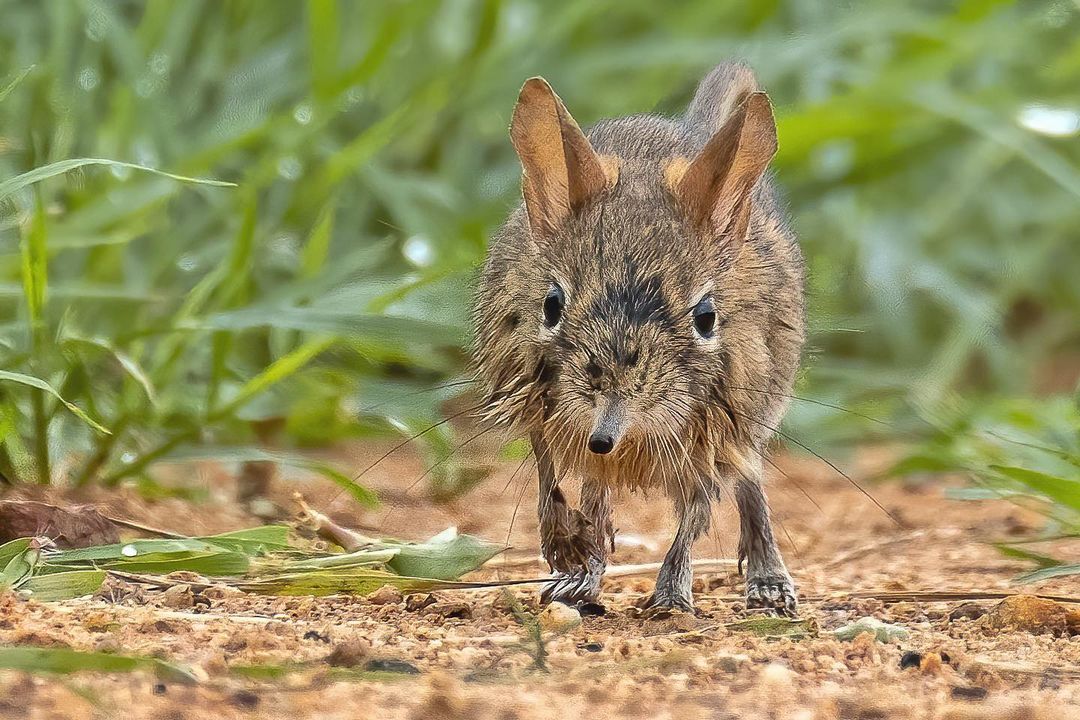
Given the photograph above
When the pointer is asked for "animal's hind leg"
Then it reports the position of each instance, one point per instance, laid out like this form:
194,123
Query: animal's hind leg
575,544
675,580
768,583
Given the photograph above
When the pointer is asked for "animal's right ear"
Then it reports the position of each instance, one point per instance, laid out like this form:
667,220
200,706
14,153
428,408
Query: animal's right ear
715,187
561,169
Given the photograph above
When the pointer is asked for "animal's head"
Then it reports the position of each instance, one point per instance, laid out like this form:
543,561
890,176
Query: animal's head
602,311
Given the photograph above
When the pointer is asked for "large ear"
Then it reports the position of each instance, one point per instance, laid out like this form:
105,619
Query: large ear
561,169
715,188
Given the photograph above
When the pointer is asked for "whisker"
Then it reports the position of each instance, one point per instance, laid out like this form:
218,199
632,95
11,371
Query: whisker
823,459
787,477
812,401
442,386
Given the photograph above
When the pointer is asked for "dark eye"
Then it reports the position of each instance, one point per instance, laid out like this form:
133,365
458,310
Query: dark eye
553,306
705,318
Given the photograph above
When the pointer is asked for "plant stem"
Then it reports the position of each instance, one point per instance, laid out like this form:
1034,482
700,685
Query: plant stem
41,437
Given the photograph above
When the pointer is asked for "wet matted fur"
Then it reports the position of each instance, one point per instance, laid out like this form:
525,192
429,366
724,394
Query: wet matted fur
640,317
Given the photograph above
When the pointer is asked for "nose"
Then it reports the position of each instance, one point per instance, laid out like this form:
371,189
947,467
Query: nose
601,443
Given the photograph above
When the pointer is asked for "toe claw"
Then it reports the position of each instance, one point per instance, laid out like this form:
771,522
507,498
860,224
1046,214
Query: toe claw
776,594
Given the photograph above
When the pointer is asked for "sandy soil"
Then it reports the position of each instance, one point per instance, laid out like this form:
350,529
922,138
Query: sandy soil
464,655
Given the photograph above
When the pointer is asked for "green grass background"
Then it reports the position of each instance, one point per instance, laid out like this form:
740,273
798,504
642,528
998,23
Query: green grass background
929,151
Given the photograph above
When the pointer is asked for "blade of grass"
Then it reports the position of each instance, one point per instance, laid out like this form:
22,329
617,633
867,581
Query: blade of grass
13,185
40,384
53,587
15,82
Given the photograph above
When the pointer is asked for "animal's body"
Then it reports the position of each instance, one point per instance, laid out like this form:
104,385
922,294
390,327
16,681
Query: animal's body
640,317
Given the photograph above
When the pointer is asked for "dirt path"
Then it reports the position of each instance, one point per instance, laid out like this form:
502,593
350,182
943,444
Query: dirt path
466,648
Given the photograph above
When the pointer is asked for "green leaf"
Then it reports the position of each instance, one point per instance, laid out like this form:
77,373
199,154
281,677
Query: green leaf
133,549
1043,561
42,385
67,585
341,581
126,362
282,368
1060,490
253,541
12,548
1049,572
13,185
19,568
213,564
446,556
64,661
366,557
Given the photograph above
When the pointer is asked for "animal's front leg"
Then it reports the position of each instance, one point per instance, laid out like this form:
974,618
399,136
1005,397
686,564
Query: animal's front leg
675,580
582,585
768,583
574,546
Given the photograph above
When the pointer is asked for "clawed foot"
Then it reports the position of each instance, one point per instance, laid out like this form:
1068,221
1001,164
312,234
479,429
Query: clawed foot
775,593
572,588
666,599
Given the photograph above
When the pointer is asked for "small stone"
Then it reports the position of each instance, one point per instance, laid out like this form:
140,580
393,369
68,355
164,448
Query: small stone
910,660
777,680
419,601
559,618
392,666
160,689
967,611
1028,613
591,646
731,662
349,653
245,699
451,609
220,592
592,609
930,664
968,693
1072,621
177,597
882,632
316,635
99,622
386,595
107,644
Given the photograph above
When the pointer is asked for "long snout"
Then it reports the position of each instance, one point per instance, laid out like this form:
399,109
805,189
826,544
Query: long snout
611,425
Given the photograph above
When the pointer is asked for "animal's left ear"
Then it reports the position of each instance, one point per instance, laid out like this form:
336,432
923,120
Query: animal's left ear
715,187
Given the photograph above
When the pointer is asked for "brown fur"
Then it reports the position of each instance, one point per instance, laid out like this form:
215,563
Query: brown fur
687,212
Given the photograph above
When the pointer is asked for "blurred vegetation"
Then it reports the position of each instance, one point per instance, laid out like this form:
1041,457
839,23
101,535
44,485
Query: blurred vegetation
928,149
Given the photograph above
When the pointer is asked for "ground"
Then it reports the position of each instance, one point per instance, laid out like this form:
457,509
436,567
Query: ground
464,651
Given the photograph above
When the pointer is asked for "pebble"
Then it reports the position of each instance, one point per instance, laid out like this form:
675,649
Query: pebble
177,597
558,618
386,595
1028,613
349,653
778,680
